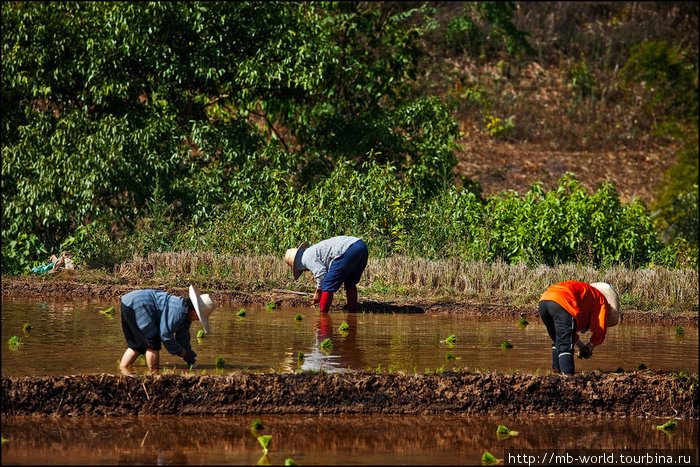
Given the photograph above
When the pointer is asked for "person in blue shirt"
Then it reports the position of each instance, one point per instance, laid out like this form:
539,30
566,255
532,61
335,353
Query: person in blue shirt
153,317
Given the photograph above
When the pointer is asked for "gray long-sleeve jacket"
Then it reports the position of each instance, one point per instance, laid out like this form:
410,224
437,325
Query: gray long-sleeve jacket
318,258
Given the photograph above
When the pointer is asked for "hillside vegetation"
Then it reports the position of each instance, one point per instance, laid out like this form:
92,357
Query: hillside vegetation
244,128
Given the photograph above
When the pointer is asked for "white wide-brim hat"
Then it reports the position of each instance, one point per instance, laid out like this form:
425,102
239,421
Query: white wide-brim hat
613,300
203,305
293,258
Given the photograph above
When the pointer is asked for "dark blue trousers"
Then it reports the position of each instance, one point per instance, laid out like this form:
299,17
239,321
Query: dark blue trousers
347,268
561,327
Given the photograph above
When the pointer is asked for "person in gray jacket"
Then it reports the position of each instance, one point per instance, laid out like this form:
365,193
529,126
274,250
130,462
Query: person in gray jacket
333,262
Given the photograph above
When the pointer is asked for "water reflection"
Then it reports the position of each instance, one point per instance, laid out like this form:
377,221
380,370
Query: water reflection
314,439
73,337
345,353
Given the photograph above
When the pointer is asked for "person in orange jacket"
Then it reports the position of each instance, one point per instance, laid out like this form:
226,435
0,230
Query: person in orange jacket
571,307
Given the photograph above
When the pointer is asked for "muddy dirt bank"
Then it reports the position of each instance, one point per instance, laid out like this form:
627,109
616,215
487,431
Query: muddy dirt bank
66,290
638,394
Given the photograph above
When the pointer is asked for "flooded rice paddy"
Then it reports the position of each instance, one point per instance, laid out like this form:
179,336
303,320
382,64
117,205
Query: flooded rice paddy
73,337
322,439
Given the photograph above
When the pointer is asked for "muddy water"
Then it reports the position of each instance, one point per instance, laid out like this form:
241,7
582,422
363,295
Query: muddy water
73,337
329,440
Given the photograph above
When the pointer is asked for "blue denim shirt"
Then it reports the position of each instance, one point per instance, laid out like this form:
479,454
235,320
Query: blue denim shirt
159,312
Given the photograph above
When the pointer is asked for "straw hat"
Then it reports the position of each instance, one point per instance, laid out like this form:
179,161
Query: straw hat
293,258
203,305
613,300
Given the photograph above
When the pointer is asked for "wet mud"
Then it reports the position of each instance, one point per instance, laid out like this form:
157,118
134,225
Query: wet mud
638,394
18,287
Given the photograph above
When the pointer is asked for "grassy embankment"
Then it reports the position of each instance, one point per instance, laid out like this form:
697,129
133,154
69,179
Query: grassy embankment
400,278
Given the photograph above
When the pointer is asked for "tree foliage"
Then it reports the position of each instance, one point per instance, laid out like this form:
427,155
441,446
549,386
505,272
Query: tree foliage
248,126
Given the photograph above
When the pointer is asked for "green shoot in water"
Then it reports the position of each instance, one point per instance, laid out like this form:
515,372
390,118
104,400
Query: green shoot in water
220,363
13,342
451,339
26,327
680,330
241,313
289,462
506,345
298,317
449,356
344,326
257,425
108,311
502,432
487,458
301,356
669,425
264,441
522,321
327,343
271,306
201,334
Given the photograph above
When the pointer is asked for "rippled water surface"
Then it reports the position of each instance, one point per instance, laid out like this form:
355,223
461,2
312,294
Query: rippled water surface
73,337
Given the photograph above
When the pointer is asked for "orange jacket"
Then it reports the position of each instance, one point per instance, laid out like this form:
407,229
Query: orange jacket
585,303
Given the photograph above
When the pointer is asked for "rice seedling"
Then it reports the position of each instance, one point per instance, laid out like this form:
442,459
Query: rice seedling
391,369
327,343
522,321
449,356
379,369
14,342
487,459
220,363
108,311
241,313
201,334
503,432
271,306
298,317
289,462
3,440
669,425
301,356
264,441
451,339
506,345
257,425
27,327
344,326
680,330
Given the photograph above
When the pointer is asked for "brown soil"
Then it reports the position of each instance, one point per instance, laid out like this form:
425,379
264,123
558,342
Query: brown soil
503,165
638,394
67,290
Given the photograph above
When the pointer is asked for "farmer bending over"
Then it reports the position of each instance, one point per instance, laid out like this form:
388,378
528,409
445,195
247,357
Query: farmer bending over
571,307
335,261
150,317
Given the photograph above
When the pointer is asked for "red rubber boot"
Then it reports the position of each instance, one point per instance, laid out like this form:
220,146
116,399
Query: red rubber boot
326,300
351,294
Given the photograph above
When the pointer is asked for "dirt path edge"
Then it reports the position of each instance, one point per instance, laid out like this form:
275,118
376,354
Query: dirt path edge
639,394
